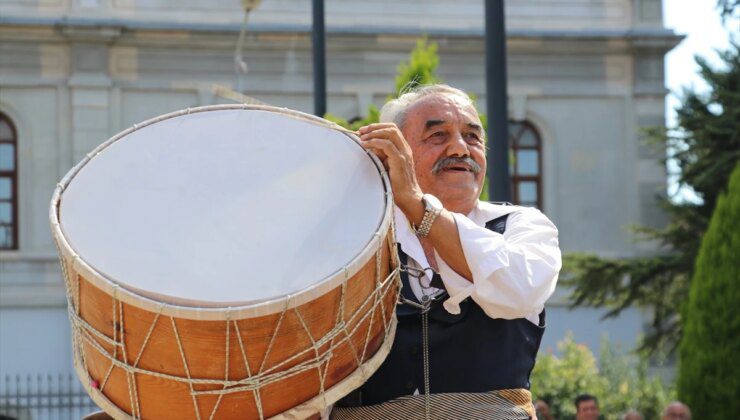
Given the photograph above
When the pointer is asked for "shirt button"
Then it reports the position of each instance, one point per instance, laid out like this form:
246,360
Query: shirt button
409,385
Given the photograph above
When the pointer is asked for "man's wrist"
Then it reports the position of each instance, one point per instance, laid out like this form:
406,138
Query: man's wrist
413,207
432,208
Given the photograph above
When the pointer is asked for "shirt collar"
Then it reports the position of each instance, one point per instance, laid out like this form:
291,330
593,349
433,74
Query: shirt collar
484,212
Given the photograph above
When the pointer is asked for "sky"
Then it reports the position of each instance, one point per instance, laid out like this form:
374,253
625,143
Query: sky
700,22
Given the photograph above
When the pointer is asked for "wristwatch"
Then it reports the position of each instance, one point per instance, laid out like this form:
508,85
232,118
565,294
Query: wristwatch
432,209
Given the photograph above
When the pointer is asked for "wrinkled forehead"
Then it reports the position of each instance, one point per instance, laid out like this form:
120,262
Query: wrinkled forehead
442,107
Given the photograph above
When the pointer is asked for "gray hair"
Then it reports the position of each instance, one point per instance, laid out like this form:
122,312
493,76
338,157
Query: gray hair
395,109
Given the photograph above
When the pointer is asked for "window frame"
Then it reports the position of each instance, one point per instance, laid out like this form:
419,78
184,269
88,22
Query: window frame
13,175
515,147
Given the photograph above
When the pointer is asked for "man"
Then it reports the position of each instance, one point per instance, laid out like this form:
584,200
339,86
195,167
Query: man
677,411
543,410
477,277
587,407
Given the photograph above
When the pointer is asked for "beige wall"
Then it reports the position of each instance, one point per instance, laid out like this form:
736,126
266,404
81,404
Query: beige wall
575,71
415,15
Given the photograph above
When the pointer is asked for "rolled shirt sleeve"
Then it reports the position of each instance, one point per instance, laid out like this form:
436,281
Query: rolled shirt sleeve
514,273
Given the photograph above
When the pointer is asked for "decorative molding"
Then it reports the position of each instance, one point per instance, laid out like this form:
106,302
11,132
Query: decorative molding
33,295
105,27
91,34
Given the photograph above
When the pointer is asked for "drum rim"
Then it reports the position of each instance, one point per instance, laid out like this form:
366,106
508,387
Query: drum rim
254,309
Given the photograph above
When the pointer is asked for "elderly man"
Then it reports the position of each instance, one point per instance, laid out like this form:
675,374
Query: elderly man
477,277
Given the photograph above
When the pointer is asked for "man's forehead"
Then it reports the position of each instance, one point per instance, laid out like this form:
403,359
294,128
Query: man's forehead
442,108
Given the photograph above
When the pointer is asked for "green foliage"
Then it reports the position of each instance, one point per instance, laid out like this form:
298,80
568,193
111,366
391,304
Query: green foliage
620,382
706,147
420,69
373,116
709,375
728,9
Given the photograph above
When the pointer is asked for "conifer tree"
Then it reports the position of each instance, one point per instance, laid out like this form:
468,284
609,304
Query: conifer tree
709,373
706,147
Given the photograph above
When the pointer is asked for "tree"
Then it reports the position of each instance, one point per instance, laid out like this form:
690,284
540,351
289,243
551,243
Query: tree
728,8
619,381
420,69
706,147
709,375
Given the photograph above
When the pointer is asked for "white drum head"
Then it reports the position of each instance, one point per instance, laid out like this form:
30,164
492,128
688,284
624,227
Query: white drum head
224,207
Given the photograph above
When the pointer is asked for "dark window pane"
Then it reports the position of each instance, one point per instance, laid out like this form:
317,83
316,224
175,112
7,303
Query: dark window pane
6,190
529,138
527,192
526,162
7,157
6,236
5,131
5,213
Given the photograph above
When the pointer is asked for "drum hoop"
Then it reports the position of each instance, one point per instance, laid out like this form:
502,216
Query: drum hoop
251,310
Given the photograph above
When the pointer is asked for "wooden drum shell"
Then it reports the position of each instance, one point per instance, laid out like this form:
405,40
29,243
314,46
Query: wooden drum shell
204,347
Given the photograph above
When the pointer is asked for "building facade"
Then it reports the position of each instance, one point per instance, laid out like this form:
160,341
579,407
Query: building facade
585,76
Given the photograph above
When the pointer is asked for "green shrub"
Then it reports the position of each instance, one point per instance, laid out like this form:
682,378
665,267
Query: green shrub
419,69
620,382
709,375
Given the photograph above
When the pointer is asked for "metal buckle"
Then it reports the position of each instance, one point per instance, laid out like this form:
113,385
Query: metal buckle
426,300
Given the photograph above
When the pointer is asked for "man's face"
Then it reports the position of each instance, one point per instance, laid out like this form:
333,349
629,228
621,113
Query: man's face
587,410
447,126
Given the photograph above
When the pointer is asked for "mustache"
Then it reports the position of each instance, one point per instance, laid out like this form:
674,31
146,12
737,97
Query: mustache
450,161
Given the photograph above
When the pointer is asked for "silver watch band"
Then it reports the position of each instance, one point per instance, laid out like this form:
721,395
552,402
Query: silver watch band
426,223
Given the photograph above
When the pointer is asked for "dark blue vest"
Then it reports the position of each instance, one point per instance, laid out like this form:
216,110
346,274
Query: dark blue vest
469,352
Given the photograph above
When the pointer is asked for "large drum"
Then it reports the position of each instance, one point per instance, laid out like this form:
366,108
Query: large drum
227,261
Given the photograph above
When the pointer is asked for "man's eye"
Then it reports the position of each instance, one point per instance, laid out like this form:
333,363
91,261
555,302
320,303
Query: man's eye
437,137
472,137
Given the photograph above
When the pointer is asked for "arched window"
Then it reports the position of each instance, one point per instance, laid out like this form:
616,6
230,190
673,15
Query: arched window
525,164
8,185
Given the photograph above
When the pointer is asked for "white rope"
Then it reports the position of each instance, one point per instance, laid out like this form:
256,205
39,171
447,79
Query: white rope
336,331
314,345
185,365
255,392
130,379
226,369
342,332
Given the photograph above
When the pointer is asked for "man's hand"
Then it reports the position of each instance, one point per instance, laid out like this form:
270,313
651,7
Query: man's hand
388,143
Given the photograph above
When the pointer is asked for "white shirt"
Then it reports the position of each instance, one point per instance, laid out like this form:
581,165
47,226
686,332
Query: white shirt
513,274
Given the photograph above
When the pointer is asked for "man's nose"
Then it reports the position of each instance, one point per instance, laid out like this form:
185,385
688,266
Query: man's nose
457,145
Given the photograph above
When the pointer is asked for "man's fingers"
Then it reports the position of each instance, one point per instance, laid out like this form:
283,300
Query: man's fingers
378,151
374,126
392,155
386,147
390,132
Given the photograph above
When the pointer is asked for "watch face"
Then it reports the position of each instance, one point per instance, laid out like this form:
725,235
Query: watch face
431,202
